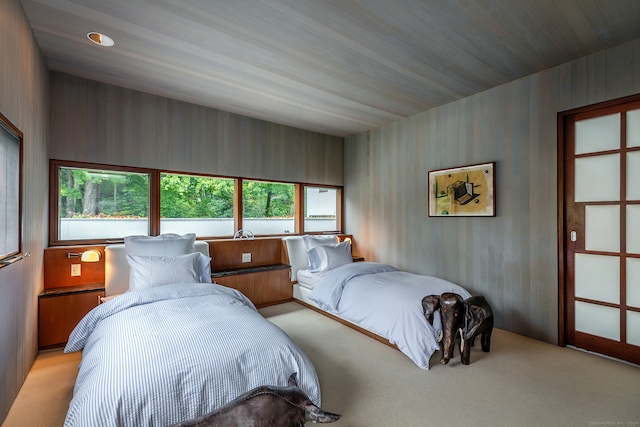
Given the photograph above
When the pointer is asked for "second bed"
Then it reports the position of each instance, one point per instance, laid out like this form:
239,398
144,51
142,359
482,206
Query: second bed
373,297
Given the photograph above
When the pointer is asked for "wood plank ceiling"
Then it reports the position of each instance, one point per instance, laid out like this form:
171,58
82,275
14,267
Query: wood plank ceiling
333,66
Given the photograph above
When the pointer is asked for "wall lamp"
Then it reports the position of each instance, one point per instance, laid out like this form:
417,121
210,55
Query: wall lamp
92,255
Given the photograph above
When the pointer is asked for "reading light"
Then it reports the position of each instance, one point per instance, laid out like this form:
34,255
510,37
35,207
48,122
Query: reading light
92,255
243,234
100,39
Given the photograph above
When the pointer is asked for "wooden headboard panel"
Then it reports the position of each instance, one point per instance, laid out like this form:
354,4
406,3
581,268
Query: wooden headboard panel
57,267
227,254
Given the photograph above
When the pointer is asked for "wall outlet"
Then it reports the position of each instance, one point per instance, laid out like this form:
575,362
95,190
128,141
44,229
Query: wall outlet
246,257
75,269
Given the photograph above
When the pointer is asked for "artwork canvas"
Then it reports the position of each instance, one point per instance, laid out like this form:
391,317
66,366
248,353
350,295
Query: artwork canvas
462,191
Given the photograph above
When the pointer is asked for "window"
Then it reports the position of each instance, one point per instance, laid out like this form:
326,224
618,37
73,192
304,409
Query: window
196,203
10,188
102,204
97,204
268,207
320,209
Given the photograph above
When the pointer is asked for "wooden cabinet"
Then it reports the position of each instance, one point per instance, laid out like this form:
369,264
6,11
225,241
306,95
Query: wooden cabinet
263,285
60,310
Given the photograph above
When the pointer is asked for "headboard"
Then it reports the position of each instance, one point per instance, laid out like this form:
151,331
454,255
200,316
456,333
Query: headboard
297,253
116,267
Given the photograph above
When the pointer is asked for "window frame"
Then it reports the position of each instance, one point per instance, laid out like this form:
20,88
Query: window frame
14,132
189,174
339,207
154,202
296,203
54,200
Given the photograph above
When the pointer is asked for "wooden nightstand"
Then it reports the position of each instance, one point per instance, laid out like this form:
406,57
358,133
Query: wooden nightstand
60,310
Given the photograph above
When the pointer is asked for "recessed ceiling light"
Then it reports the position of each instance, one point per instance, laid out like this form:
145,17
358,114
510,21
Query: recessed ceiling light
100,39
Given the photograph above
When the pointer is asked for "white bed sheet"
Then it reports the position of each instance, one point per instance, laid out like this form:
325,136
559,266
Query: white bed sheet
308,279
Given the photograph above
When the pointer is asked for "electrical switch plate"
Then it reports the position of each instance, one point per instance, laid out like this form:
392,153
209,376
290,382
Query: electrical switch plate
75,269
246,257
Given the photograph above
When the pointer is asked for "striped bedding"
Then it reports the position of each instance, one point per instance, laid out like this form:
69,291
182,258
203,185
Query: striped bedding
171,353
387,302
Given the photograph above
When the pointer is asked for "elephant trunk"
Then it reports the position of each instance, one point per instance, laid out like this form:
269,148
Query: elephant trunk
448,342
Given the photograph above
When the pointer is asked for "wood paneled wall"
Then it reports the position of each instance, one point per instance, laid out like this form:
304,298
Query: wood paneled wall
57,267
100,123
512,259
24,101
227,254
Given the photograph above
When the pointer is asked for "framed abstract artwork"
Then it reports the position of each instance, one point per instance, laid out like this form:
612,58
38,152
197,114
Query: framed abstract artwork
463,191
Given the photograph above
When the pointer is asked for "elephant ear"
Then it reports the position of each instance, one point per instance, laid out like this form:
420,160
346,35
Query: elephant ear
430,304
473,317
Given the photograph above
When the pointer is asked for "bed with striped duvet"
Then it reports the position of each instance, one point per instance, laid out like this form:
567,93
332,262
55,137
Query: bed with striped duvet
159,356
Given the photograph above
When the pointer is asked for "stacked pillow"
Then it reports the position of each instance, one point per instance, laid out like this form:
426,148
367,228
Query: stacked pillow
165,259
325,253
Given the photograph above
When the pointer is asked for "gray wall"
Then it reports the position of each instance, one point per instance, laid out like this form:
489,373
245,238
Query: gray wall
512,259
101,123
24,101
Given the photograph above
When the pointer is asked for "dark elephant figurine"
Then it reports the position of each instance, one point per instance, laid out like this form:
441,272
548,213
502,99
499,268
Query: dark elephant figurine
469,317
266,406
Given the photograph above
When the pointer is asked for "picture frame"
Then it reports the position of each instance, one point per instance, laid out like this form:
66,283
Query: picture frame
463,191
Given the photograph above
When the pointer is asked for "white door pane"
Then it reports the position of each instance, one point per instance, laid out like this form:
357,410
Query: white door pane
602,228
633,229
598,320
597,277
633,175
633,328
633,282
633,128
598,178
598,134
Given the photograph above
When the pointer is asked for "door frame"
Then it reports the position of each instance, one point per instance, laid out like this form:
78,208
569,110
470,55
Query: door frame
563,233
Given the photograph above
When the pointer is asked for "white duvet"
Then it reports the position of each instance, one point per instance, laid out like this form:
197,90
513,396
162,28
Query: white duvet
388,302
172,353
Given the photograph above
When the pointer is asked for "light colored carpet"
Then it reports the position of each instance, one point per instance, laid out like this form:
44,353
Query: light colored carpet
45,395
521,382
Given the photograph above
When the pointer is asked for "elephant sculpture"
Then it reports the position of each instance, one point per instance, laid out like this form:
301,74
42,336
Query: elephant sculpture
266,406
468,318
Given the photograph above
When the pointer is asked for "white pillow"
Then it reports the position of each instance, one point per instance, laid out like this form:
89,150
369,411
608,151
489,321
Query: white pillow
324,258
311,241
151,271
204,268
168,244
163,245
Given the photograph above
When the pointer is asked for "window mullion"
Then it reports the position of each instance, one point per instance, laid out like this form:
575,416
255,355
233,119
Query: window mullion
154,203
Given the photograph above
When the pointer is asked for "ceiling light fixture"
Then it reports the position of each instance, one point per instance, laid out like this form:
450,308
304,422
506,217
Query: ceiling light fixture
100,39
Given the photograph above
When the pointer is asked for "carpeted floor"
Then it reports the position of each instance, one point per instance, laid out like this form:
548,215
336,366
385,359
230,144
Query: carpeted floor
521,382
